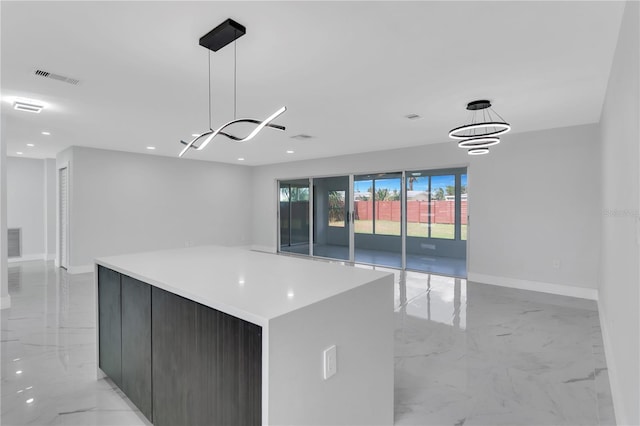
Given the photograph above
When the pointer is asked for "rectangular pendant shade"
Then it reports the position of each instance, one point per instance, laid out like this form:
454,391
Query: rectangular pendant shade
222,35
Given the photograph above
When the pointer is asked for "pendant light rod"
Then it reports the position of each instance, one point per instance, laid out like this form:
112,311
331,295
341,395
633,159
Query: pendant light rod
235,78
210,91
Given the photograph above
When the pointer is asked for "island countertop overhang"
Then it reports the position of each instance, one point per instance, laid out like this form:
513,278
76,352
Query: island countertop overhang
253,286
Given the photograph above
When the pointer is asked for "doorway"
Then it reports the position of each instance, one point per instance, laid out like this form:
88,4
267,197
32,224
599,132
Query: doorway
63,217
331,218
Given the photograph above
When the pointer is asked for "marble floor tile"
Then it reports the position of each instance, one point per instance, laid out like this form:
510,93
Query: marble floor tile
465,354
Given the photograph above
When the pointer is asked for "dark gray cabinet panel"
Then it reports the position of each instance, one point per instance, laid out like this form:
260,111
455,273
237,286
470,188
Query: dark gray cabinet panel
249,376
109,324
136,343
174,352
180,362
240,398
207,365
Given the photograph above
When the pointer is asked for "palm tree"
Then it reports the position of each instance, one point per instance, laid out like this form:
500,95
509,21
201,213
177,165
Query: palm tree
410,182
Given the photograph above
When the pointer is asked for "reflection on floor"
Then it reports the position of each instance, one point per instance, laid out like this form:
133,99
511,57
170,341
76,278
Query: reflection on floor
466,353
49,353
415,262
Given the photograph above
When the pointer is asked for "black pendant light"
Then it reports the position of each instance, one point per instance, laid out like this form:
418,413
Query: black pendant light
219,37
483,128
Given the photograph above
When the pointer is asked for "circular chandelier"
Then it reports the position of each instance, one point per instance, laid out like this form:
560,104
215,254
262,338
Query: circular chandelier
483,128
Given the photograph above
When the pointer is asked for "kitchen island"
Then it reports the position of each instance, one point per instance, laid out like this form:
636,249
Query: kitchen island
217,335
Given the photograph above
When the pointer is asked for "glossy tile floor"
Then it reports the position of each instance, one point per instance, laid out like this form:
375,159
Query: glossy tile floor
416,262
466,354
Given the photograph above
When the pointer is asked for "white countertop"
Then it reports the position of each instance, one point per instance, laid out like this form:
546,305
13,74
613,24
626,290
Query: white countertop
250,285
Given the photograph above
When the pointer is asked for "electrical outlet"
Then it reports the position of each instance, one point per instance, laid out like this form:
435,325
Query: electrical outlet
330,363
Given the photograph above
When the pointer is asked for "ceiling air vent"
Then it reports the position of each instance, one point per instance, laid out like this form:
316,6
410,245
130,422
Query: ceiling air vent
412,116
58,77
302,137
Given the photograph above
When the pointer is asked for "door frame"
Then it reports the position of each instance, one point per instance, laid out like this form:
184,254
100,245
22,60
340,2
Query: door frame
58,258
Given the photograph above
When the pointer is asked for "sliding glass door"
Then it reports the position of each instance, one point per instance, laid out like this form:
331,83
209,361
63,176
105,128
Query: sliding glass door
294,216
378,219
331,224
413,220
437,221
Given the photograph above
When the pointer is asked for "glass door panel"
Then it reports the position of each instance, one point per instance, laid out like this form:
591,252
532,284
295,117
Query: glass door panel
436,232
294,216
331,217
377,221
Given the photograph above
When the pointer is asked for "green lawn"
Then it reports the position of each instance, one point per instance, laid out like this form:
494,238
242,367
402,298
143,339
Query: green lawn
388,227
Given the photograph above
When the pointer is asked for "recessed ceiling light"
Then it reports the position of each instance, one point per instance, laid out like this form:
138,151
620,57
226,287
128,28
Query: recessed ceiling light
241,159
290,151
151,148
30,145
46,133
28,106
19,152
29,401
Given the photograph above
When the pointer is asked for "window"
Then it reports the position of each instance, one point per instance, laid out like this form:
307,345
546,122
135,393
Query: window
443,207
377,205
284,194
437,205
363,205
417,205
299,193
386,197
336,208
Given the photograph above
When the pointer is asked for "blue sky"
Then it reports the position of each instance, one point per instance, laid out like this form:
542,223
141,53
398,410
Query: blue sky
420,185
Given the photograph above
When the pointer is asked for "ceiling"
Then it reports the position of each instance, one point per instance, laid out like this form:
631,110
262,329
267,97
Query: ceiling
348,72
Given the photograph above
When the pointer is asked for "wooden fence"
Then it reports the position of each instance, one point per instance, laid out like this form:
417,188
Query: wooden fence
442,211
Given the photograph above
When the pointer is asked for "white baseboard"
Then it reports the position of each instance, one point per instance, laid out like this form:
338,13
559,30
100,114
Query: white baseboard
618,405
50,256
5,302
27,258
73,270
559,289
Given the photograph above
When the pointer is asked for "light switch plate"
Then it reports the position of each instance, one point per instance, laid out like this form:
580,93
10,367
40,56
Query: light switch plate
330,362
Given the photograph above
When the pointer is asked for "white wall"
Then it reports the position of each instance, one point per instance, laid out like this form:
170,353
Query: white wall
123,203
5,298
619,295
534,199
31,205
26,204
